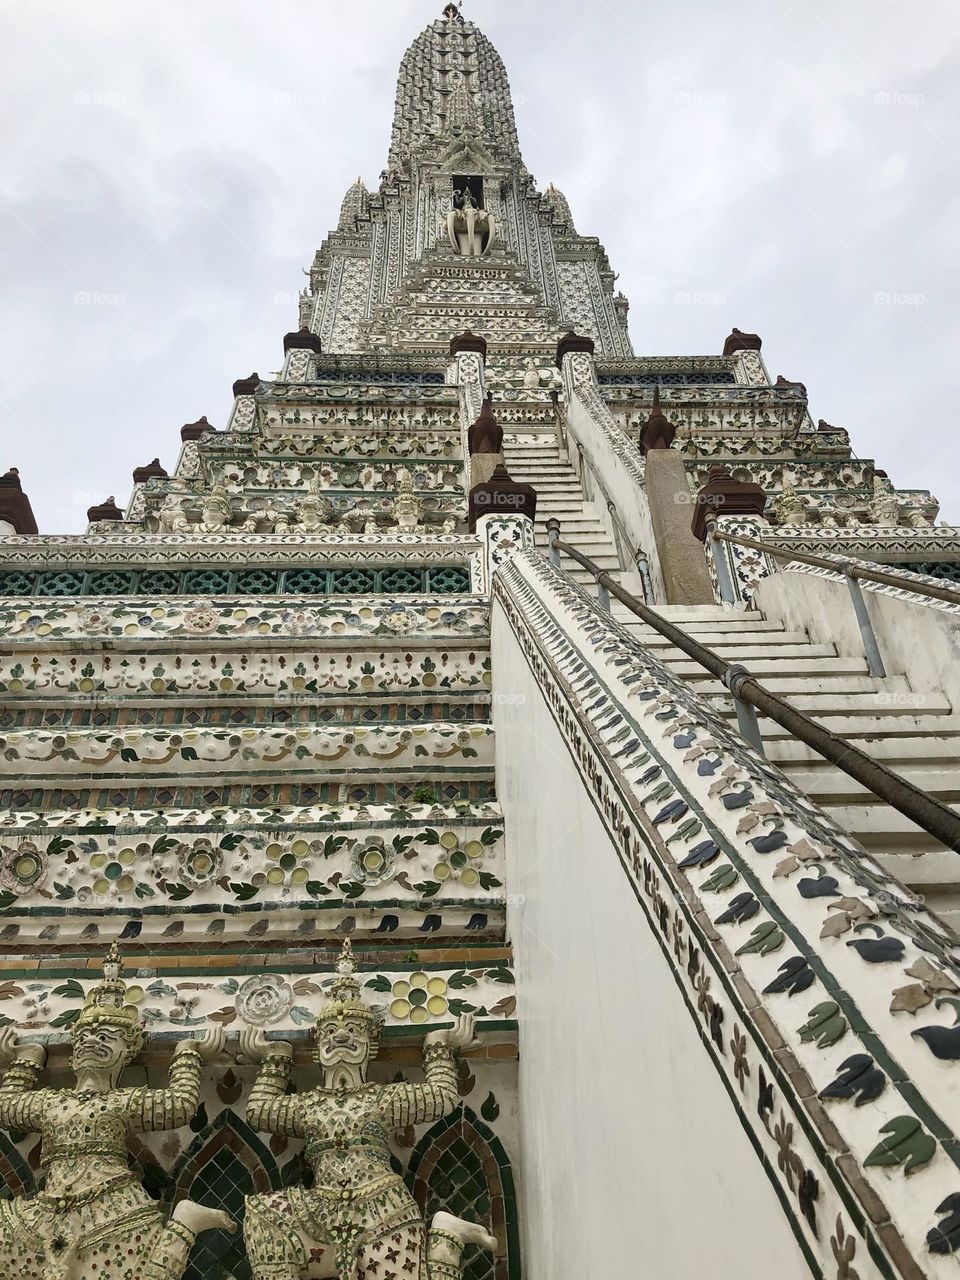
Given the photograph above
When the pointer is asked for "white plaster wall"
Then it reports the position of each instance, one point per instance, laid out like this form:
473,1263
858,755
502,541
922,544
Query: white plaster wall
628,498
635,1163
920,642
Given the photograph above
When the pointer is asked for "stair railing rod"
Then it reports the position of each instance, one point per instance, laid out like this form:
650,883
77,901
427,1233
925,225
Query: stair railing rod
929,813
871,649
625,554
847,566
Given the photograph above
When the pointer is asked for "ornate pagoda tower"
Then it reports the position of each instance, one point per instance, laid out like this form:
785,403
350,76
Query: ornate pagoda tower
321,680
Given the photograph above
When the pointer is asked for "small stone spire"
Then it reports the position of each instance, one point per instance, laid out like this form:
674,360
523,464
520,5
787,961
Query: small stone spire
355,205
561,207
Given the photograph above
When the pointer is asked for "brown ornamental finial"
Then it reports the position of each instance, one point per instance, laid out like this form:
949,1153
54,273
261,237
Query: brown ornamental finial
104,511
657,432
15,506
486,434
452,13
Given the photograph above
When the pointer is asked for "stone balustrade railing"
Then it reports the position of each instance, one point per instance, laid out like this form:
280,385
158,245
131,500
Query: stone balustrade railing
789,1007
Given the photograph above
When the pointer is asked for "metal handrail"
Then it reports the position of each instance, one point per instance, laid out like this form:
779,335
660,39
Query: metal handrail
639,558
850,567
929,813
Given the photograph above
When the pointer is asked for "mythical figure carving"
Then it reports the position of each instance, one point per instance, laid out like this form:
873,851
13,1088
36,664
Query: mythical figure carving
312,509
407,508
789,507
359,1216
216,510
93,1218
884,508
471,230
172,516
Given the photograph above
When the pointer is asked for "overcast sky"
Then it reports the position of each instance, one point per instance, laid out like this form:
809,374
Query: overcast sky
791,167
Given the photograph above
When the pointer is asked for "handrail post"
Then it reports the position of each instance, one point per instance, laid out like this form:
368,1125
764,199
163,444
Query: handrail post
603,596
733,678
553,533
643,568
871,649
724,581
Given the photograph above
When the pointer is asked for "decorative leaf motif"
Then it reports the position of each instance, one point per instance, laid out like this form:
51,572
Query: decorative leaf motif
700,855
835,925
722,878
743,907
910,998
878,950
490,1108
687,831
944,1238
943,1042
765,938
859,1078
931,977
906,1143
671,812
825,1024
795,976
821,887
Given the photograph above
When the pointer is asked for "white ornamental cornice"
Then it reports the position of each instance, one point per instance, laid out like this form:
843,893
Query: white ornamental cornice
306,752
273,818
667,364
333,619
82,551
894,542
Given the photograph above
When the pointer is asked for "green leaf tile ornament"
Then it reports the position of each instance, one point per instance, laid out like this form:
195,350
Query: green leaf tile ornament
907,1143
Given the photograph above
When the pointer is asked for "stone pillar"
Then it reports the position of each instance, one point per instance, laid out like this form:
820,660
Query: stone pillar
682,561
469,351
502,536
686,579
297,350
722,496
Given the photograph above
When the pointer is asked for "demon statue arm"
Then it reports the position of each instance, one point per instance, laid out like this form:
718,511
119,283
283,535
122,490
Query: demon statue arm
151,1110
268,1107
358,1218
21,1103
93,1218
405,1104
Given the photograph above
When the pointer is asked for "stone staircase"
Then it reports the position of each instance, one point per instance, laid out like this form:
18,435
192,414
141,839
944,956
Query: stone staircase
538,461
915,734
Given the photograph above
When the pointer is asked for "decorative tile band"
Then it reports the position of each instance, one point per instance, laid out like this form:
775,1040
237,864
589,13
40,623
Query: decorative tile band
282,1001
423,872
216,794
188,619
296,676
348,581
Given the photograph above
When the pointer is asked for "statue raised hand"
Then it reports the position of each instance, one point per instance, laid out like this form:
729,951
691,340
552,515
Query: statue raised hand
359,1218
93,1218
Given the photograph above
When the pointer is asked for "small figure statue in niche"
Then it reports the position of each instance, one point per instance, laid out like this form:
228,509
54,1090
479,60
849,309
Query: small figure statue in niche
359,1215
470,229
93,1219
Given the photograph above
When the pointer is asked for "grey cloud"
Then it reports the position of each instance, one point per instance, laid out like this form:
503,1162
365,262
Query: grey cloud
783,164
